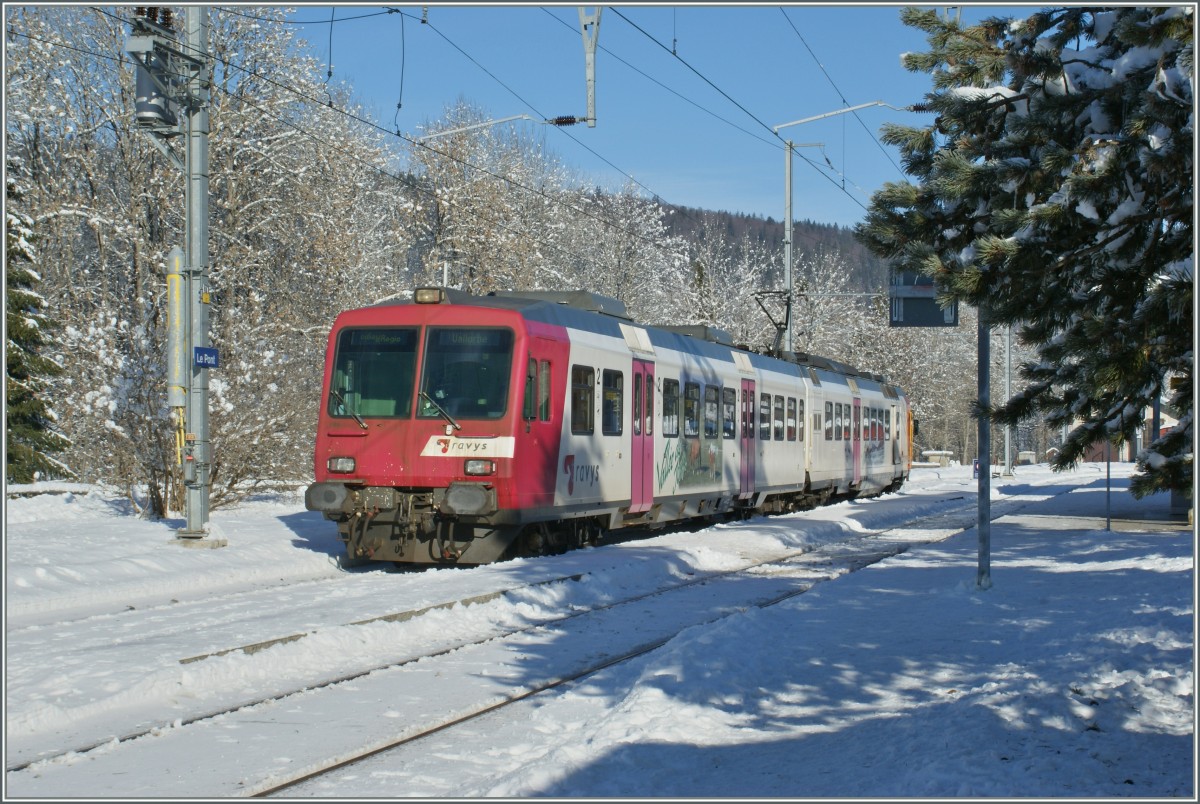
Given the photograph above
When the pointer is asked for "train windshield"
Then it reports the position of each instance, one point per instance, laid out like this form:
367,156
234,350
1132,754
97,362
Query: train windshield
466,372
374,373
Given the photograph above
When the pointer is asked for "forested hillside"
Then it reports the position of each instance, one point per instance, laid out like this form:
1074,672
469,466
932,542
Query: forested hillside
868,272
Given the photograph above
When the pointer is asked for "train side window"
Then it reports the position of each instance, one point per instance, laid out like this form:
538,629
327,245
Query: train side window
778,418
747,414
729,412
846,428
583,391
544,391
648,408
828,421
800,420
837,421
636,418
712,410
858,434
764,417
791,418
887,426
670,408
691,409
613,409
527,410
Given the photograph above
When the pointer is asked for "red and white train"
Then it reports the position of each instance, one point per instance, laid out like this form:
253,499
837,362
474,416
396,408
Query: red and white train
465,429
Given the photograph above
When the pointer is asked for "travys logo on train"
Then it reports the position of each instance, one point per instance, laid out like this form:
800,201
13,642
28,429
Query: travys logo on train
587,474
491,447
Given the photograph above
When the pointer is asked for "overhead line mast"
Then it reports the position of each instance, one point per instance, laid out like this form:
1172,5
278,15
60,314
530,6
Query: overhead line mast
592,21
172,78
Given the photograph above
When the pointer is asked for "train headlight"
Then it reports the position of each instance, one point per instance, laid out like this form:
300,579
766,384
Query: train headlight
477,466
340,466
428,296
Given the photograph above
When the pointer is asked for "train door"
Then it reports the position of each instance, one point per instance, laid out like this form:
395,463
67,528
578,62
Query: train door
746,483
642,459
893,433
856,436
538,452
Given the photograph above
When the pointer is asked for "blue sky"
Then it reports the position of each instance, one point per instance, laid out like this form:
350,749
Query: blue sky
693,127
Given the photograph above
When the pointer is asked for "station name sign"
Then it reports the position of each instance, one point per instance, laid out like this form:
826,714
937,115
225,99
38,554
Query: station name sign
205,357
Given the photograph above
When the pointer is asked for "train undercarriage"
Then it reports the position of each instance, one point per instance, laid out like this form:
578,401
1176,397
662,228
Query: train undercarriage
463,526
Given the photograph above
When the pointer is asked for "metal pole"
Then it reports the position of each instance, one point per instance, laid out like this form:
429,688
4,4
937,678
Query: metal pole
788,227
983,576
197,447
1008,464
591,20
1108,486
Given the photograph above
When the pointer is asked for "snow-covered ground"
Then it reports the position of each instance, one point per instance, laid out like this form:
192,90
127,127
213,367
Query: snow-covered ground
1072,676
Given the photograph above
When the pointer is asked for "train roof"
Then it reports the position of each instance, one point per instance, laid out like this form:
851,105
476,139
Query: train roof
566,307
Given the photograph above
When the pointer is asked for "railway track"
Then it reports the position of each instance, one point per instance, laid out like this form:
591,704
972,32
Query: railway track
552,644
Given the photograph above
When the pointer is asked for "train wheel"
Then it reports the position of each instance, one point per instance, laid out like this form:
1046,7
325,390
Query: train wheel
535,540
590,533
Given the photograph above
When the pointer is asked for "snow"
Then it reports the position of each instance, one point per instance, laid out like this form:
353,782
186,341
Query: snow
1073,675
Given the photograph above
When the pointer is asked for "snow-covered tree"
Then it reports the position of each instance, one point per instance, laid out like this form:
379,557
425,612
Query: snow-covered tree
1054,191
725,277
303,225
487,209
31,431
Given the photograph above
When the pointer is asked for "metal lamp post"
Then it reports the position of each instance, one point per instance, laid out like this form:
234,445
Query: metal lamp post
787,211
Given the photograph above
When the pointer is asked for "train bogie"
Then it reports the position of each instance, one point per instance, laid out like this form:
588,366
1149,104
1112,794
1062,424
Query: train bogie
459,429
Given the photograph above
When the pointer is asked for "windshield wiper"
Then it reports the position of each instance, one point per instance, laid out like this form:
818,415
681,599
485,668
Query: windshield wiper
333,392
441,410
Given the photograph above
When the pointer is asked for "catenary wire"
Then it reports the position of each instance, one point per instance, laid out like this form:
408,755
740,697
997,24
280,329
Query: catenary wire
511,91
654,80
412,184
838,90
417,143
408,181
515,94
749,114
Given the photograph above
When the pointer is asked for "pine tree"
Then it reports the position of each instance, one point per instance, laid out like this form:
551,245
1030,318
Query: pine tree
29,420
1054,192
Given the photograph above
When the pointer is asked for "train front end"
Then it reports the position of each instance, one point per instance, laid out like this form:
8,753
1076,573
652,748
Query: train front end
415,437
